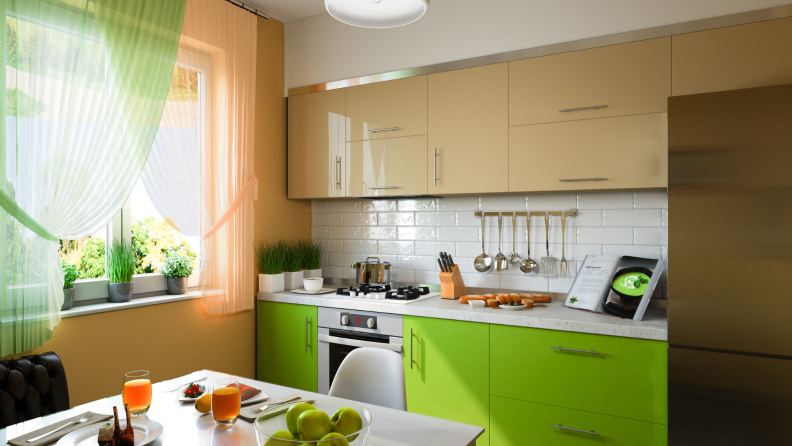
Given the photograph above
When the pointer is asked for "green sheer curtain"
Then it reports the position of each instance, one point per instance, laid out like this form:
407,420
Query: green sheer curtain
86,84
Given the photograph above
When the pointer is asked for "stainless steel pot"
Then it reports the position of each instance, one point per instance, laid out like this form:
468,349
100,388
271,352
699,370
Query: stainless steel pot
372,272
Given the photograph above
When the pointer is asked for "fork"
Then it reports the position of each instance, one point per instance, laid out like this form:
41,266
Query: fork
85,418
564,264
274,405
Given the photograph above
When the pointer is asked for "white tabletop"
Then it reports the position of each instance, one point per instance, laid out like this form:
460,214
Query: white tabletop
183,425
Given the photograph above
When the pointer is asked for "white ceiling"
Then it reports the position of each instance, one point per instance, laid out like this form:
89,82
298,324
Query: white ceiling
290,10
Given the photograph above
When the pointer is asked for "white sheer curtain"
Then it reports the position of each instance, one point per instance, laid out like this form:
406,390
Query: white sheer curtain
85,83
219,41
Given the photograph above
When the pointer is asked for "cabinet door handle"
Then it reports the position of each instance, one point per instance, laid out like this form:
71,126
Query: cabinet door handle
573,180
567,110
383,187
435,166
576,350
307,332
575,430
383,130
338,172
411,348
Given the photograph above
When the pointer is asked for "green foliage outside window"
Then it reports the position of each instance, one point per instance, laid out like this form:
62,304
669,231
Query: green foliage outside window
153,241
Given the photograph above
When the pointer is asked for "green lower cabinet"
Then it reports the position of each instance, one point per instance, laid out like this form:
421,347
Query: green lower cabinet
519,423
622,377
287,347
449,377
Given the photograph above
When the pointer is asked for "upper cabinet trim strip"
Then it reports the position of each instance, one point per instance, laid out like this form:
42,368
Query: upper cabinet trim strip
742,18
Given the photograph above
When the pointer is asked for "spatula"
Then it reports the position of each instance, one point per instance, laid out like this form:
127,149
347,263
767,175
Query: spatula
547,266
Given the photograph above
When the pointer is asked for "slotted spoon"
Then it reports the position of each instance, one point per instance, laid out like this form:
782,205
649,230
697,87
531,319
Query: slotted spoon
547,266
514,257
501,262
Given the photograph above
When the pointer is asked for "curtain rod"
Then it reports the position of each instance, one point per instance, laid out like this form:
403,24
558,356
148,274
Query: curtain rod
249,8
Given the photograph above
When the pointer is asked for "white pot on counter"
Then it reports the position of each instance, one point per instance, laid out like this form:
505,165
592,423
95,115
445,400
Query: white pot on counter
271,283
312,273
293,281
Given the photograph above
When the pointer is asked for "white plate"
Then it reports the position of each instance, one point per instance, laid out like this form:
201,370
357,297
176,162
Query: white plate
183,398
146,431
322,291
261,396
512,307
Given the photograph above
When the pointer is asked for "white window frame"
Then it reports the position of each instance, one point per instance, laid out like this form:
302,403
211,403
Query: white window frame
91,291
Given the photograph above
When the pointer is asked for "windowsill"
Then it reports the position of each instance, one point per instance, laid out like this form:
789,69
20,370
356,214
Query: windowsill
134,303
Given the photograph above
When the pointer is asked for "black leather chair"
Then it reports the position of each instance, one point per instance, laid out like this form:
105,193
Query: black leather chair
30,387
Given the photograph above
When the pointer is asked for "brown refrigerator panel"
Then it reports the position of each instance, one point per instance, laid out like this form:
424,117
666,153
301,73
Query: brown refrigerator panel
730,221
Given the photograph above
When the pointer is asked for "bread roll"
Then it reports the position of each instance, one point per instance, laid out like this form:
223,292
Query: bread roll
541,298
501,298
528,303
492,303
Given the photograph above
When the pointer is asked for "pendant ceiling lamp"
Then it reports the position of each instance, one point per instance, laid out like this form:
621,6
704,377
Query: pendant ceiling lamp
377,13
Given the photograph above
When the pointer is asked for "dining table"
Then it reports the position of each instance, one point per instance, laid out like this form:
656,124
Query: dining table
184,425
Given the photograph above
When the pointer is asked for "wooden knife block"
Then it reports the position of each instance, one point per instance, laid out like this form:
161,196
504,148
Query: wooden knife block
451,284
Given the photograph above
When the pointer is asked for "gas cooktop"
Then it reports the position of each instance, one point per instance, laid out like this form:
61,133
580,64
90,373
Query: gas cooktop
384,294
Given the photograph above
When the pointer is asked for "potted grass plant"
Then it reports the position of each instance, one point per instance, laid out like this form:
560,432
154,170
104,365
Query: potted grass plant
69,276
312,251
292,265
270,260
120,267
177,268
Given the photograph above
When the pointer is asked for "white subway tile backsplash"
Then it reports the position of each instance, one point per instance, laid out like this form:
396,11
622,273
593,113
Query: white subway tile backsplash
396,218
360,246
379,205
388,247
344,232
458,204
651,200
435,219
606,200
651,236
410,233
434,248
359,219
418,205
416,233
642,217
379,233
457,234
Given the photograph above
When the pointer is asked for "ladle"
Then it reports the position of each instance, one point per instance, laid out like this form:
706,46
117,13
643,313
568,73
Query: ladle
483,262
514,258
528,265
501,262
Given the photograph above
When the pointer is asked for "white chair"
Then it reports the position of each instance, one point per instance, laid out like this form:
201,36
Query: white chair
372,375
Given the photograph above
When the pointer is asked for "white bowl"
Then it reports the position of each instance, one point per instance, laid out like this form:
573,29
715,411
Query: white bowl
313,285
477,303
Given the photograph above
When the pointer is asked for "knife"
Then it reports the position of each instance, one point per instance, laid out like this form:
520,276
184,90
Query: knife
445,262
440,262
451,261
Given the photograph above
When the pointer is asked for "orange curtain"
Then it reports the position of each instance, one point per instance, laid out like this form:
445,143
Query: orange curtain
225,36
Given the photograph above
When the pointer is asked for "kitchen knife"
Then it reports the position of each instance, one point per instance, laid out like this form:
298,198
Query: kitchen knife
444,256
451,261
440,262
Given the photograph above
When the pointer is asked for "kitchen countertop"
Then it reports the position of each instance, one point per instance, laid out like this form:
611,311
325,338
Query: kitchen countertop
555,316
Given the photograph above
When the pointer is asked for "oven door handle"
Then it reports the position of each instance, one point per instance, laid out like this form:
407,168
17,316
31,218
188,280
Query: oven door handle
356,343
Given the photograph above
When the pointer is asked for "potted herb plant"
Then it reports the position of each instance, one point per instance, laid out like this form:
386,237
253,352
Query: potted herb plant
177,268
120,267
312,258
69,276
270,259
292,265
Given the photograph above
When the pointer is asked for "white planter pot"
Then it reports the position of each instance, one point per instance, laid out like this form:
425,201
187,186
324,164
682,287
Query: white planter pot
293,281
271,283
312,273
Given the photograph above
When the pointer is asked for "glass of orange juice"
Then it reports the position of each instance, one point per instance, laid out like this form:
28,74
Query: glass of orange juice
137,392
226,401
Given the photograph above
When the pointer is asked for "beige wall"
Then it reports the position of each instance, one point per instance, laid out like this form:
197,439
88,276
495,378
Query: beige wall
177,338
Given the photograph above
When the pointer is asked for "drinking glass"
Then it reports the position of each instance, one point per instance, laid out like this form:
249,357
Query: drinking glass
137,392
226,401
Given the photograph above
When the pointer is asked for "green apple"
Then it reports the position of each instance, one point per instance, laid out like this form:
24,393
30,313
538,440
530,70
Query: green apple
346,421
293,414
281,434
313,424
333,439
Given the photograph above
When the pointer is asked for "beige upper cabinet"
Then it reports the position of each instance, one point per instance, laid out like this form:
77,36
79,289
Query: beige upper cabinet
317,143
733,58
626,152
468,130
387,109
387,167
626,79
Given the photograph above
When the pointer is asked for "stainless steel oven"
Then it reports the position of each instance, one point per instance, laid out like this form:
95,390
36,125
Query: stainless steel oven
341,331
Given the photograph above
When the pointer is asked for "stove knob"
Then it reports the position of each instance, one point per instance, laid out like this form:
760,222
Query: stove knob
370,323
344,320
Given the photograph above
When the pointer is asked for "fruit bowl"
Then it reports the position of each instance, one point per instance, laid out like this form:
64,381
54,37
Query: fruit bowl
266,428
